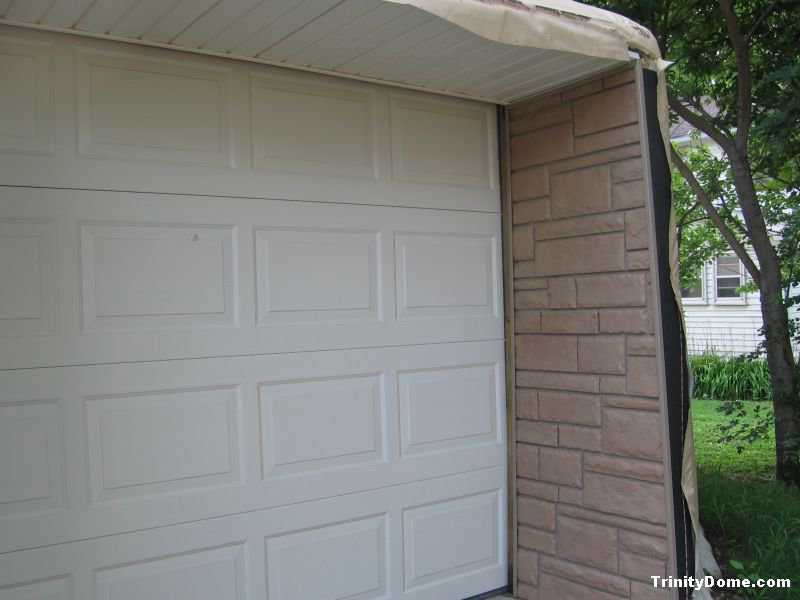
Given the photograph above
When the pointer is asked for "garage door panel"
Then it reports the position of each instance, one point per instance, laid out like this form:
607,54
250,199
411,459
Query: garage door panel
346,560
448,538
255,554
29,295
136,108
441,274
156,121
307,426
94,277
113,448
162,441
312,275
136,276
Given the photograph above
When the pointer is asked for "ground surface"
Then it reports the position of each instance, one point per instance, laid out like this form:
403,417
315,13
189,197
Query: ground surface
749,518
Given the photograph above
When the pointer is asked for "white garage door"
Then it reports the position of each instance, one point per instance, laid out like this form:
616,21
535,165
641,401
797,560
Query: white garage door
250,333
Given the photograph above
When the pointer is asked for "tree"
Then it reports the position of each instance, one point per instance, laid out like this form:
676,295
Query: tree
741,58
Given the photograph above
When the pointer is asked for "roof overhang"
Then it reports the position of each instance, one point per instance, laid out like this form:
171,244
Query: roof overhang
498,51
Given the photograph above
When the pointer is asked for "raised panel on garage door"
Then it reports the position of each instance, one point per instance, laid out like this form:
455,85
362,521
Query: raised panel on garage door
99,450
95,276
439,539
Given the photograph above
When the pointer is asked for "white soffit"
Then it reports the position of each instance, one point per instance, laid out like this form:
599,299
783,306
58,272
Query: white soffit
498,51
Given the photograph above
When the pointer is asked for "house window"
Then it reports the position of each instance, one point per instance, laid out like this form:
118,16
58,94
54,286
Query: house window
728,277
694,291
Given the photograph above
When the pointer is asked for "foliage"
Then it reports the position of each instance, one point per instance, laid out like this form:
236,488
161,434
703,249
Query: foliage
751,520
730,378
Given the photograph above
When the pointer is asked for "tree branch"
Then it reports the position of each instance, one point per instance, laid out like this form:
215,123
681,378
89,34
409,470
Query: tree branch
715,217
744,85
702,124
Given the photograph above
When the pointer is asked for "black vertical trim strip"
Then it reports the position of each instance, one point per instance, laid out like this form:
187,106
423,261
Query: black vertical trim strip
675,364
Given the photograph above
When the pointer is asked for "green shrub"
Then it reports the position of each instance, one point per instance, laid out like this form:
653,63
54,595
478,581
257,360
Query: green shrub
730,378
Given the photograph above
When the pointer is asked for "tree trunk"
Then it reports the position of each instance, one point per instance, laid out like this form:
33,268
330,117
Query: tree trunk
783,373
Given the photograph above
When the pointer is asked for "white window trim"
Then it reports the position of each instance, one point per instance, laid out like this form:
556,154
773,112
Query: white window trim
742,299
703,298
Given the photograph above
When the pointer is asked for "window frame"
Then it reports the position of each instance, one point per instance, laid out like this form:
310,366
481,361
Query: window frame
737,300
703,297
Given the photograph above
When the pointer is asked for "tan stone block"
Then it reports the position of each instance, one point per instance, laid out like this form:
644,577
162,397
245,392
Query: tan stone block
643,376
582,574
612,384
570,495
637,232
581,90
625,467
626,497
547,352
612,520
536,513
530,283
569,407
617,289
524,268
569,321
538,119
581,438
632,433
637,259
527,402
601,354
527,299
641,345
610,138
523,109
629,194
643,545
580,226
541,146
562,293
580,192
522,242
527,321
528,461
612,108
627,75
530,211
637,320
528,566
627,170
536,432
534,539
527,592
587,543
560,466
538,489
589,254
646,591
596,158
640,567
558,588
631,402
558,381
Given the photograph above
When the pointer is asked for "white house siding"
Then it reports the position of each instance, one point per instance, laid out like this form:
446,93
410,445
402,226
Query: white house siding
728,326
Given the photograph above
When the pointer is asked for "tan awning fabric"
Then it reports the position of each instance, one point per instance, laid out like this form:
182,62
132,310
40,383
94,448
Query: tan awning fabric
548,24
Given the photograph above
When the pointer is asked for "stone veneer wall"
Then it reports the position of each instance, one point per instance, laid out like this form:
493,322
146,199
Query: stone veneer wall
591,502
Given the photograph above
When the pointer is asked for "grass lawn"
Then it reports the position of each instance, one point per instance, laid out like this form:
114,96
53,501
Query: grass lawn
747,515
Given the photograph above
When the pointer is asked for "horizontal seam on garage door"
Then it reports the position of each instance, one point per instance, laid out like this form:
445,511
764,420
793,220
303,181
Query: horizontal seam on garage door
123,191
254,510
252,354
